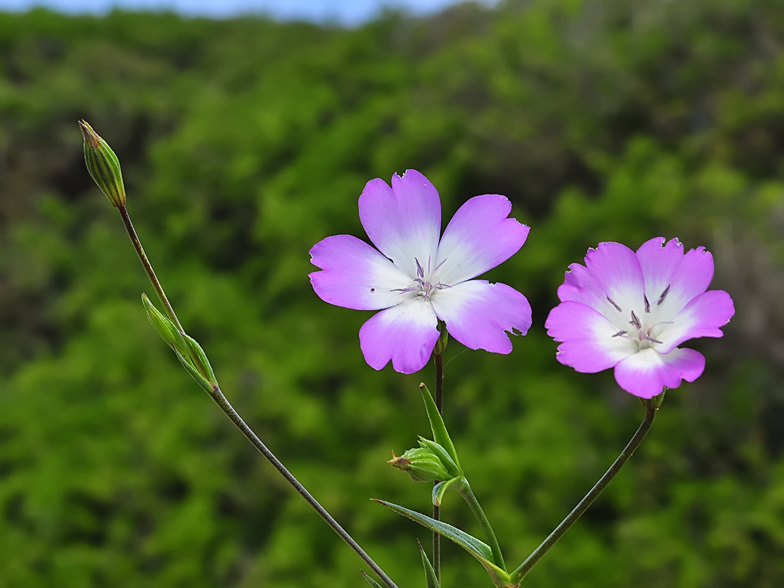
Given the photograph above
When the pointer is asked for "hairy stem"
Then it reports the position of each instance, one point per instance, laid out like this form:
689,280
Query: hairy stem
651,406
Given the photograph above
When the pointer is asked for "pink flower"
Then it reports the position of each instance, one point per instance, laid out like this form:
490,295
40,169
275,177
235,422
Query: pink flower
419,280
631,311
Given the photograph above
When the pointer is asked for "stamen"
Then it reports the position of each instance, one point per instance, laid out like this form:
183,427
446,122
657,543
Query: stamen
439,265
663,295
647,304
611,301
420,269
620,333
635,321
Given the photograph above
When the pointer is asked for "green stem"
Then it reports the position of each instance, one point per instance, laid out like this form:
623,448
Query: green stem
651,406
221,400
473,504
227,408
439,400
148,267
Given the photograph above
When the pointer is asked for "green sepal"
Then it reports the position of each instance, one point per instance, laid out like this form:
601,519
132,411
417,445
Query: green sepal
370,580
442,455
481,551
421,464
440,489
103,165
440,434
430,573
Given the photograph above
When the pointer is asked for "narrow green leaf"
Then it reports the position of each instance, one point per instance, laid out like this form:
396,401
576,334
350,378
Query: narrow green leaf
200,380
468,542
471,544
370,580
199,359
163,326
430,573
440,489
440,434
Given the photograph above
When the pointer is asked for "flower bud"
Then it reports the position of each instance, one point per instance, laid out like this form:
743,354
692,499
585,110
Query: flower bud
103,165
421,465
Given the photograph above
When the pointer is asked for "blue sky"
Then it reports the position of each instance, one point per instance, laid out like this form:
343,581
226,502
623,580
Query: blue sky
349,12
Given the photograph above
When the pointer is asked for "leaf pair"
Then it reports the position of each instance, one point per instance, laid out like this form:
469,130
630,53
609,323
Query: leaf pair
187,350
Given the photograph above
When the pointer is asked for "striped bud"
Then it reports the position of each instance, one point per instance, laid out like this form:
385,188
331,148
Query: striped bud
103,165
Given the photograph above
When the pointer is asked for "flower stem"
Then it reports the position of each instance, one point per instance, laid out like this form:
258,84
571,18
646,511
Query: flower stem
439,361
226,407
148,267
221,400
651,406
473,504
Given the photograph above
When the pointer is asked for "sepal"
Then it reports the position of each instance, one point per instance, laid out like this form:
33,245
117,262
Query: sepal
421,464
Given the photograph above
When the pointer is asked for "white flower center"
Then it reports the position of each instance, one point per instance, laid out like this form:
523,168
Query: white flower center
645,331
424,285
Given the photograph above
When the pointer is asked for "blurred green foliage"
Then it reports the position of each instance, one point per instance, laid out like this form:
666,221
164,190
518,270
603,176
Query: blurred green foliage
246,141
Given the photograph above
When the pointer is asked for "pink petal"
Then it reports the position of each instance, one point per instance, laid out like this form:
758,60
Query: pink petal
648,372
355,275
702,317
586,337
682,276
478,238
403,221
611,282
478,314
405,333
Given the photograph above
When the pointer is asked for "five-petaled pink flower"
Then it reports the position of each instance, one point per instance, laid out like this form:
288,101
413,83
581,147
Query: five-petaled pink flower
631,311
418,279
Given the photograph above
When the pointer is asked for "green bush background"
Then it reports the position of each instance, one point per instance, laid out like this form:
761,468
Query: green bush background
246,141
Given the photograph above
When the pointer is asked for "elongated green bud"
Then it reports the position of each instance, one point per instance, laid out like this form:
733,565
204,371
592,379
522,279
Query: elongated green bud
103,165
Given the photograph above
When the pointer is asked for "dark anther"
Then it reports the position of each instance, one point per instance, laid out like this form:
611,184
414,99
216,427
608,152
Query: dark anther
647,304
372,289
635,321
663,295
611,301
620,333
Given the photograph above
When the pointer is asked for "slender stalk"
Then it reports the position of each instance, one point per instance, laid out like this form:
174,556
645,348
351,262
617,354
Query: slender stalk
439,361
221,400
651,406
226,407
148,267
468,494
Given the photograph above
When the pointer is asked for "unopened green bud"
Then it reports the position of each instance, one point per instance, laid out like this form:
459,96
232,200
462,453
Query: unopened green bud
441,454
421,464
103,165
